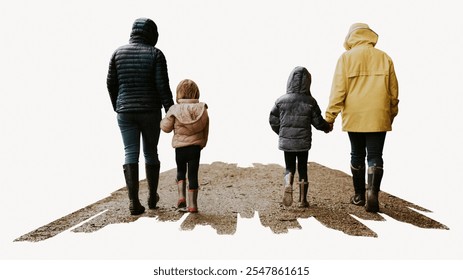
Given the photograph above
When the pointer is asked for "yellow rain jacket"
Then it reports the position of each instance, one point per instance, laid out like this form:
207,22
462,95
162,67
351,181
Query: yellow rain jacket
365,89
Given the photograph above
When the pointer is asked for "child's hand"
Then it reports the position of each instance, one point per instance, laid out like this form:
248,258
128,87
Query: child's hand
329,128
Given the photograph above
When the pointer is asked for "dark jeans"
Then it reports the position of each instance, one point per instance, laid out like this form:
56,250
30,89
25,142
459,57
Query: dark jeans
369,145
187,159
134,125
302,158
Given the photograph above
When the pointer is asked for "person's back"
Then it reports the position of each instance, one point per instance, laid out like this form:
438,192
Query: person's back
295,112
292,118
137,78
363,84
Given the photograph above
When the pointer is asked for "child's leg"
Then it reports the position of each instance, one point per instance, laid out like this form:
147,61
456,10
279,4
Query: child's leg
194,154
193,167
290,162
181,160
302,158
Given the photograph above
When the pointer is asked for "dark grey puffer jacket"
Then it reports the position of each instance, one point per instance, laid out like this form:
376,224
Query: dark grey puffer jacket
294,113
137,78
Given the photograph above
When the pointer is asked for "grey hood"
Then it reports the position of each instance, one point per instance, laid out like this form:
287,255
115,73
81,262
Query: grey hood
299,81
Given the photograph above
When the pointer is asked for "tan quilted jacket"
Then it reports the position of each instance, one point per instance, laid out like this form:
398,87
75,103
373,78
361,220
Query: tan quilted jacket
189,121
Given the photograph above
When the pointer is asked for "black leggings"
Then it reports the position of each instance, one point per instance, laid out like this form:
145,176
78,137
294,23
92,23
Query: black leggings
302,158
187,159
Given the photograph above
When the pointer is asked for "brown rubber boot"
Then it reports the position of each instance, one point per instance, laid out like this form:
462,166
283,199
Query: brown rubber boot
131,179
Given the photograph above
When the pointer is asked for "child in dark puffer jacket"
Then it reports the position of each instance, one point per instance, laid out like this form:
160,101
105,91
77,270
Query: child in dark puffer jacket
190,121
291,118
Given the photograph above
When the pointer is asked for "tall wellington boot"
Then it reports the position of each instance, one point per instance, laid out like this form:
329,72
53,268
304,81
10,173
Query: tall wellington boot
181,187
288,189
131,179
193,200
303,190
375,175
358,180
152,177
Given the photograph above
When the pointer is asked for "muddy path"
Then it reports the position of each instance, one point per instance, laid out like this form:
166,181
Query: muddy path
227,190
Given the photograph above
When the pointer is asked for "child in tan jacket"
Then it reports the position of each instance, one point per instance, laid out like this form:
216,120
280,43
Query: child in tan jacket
190,122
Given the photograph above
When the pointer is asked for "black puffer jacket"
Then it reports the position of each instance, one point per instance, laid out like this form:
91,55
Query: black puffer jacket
137,78
295,112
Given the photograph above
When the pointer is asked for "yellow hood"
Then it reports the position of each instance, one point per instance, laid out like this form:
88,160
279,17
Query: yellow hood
360,33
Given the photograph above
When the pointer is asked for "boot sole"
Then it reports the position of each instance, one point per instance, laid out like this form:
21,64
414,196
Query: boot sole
357,202
137,211
303,205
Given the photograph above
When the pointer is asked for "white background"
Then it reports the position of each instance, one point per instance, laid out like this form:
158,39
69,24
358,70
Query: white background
61,148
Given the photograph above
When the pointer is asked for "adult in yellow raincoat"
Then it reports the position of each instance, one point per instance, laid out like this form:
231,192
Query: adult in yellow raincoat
365,92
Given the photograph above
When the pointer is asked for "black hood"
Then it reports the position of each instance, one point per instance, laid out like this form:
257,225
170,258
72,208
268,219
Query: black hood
145,31
299,81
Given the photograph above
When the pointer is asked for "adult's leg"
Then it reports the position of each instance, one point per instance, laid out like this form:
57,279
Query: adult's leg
131,138
357,167
150,131
375,144
130,131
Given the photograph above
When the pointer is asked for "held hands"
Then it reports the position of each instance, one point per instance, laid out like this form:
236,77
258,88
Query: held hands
329,128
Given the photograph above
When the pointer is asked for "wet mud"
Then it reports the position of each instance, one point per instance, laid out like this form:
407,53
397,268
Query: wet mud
227,190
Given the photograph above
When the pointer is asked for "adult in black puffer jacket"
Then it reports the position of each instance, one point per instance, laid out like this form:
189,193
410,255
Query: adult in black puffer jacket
292,118
138,85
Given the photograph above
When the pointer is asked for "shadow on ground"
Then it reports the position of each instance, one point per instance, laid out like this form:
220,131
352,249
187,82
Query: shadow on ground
227,190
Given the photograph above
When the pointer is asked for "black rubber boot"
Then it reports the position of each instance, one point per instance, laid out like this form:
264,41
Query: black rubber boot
358,179
375,175
131,179
152,177
303,190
